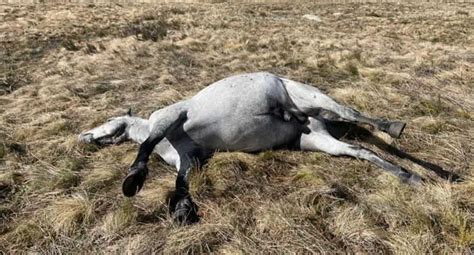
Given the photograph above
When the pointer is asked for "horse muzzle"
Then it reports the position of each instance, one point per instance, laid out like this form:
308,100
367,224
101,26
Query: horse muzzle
86,138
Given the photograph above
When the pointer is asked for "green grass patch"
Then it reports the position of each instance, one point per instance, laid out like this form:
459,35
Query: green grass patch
308,177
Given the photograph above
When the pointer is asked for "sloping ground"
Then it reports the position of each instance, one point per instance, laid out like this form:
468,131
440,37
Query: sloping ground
66,69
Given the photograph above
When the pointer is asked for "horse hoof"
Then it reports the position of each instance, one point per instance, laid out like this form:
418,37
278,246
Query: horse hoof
415,180
454,178
133,183
396,129
411,179
185,212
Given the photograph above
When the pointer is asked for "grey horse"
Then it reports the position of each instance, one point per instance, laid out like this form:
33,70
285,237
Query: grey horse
247,112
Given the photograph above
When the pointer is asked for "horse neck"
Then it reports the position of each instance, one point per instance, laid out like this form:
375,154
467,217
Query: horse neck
137,129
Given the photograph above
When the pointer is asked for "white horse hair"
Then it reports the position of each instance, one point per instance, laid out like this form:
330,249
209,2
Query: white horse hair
248,112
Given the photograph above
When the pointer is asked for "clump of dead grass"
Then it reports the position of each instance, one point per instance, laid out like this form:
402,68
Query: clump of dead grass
205,238
68,215
64,175
356,229
295,228
222,174
119,219
23,234
101,177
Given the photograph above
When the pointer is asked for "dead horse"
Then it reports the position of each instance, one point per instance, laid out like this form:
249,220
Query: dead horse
247,112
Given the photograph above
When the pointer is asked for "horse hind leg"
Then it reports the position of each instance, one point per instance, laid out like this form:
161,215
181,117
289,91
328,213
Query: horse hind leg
311,100
393,128
285,104
320,140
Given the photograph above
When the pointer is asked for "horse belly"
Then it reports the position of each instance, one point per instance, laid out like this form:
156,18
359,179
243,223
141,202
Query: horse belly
250,134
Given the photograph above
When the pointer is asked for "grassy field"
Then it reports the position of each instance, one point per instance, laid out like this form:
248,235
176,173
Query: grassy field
65,69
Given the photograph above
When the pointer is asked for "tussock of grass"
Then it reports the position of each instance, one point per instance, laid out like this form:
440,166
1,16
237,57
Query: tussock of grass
354,227
153,201
119,219
101,177
72,163
198,239
300,223
407,242
44,179
65,175
357,97
222,174
23,234
67,178
68,215
137,244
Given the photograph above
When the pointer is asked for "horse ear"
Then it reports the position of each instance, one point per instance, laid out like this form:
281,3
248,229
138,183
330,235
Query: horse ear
129,112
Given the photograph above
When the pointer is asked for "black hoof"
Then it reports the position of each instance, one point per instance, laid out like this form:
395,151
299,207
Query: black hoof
454,178
133,183
396,129
184,211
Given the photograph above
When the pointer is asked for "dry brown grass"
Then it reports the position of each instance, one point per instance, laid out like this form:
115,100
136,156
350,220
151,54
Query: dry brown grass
67,68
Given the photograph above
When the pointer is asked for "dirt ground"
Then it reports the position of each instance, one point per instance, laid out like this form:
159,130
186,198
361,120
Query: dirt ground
67,68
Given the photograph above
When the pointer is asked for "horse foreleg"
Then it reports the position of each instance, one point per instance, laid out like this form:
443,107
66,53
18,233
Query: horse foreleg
182,207
161,123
